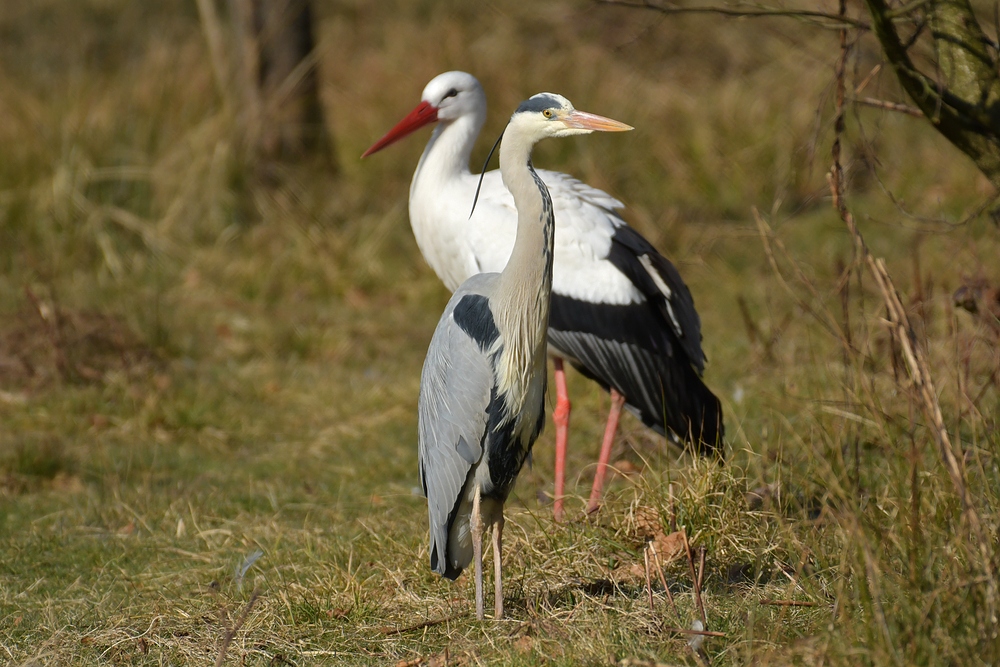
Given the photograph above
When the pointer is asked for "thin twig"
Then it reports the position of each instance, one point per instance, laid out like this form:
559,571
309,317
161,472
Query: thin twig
789,603
663,580
425,624
701,568
825,318
889,106
227,638
704,633
649,585
694,581
865,81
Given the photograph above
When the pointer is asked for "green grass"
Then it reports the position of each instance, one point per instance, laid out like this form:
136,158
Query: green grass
240,363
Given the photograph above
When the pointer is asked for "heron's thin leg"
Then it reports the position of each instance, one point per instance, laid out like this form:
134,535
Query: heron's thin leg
560,417
497,576
617,401
477,551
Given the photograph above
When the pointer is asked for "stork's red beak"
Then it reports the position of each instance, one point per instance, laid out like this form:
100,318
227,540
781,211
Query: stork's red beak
424,114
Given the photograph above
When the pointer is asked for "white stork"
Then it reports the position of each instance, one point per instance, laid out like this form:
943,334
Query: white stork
482,389
621,314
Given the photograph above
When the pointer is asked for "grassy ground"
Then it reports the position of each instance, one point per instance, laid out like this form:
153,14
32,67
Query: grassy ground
208,386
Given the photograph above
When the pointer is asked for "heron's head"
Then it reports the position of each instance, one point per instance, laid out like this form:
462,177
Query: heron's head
551,115
447,97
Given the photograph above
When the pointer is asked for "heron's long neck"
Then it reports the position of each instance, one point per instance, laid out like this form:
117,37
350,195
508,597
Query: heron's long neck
525,284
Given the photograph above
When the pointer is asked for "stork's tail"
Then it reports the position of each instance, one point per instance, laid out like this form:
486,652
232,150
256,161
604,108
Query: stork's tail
690,410
667,394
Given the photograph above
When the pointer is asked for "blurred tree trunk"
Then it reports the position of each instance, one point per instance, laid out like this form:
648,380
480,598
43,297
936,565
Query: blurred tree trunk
963,102
280,112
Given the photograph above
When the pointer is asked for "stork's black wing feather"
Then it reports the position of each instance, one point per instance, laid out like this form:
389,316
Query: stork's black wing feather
649,351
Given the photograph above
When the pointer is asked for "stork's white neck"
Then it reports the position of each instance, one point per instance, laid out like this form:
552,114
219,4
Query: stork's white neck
438,196
447,153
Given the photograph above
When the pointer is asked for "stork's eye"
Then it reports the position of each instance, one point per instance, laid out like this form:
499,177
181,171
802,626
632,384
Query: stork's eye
450,93
548,113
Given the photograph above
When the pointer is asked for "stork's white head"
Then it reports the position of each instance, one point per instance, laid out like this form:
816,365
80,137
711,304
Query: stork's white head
455,94
551,115
446,98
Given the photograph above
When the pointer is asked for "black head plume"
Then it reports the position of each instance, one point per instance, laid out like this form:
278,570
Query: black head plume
483,172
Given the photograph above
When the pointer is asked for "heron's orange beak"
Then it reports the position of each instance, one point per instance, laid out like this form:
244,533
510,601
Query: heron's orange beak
424,114
589,121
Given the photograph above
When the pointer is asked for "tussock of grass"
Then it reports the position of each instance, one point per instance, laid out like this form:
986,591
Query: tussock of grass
247,342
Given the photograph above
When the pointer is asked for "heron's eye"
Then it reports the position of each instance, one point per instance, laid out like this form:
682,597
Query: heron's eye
548,113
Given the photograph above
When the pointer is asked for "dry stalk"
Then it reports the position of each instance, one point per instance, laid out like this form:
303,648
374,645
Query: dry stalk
904,335
649,584
212,25
231,631
889,106
695,582
789,603
825,318
701,567
663,580
387,630
703,633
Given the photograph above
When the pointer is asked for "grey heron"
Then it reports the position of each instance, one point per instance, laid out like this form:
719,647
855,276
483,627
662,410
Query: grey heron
482,387
621,313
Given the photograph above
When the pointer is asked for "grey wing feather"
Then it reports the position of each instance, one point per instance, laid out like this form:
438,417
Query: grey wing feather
454,394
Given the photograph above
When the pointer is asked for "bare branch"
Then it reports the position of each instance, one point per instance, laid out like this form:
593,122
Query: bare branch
889,106
830,20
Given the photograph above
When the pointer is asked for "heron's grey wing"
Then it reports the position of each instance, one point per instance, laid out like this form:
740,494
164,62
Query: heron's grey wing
454,394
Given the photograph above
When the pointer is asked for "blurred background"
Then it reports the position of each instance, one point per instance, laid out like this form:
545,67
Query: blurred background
213,316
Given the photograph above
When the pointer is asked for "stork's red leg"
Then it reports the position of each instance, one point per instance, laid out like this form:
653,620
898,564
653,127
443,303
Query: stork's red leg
617,401
560,417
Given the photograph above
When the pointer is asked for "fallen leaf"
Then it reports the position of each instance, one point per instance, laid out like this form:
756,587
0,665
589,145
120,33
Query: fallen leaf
669,547
625,467
339,612
629,573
